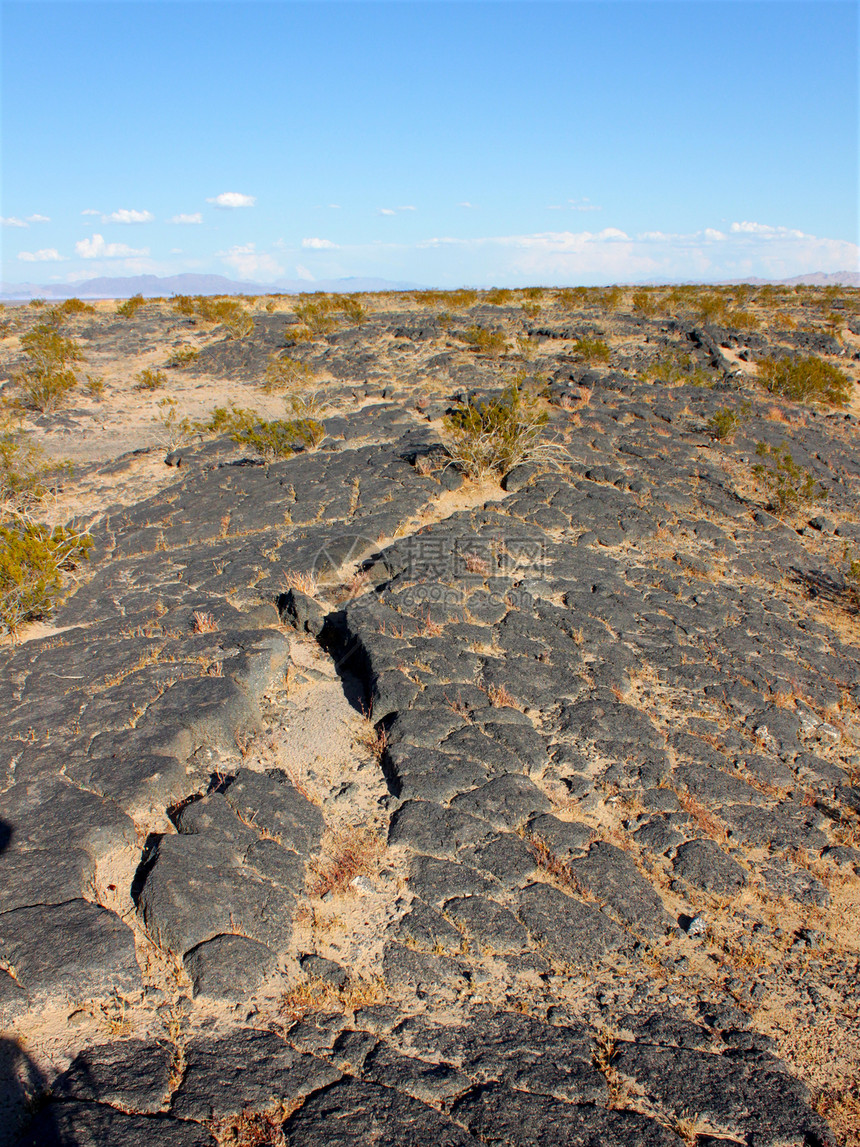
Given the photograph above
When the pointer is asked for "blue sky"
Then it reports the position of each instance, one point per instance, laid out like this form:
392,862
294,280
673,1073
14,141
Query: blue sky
495,142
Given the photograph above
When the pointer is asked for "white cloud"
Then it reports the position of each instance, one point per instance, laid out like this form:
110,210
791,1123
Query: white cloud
251,263
304,273
38,219
387,211
407,208
47,255
233,199
611,255
96,248
466,204
765,231
583,204
127,215
197,217
12,221
319,244
90,211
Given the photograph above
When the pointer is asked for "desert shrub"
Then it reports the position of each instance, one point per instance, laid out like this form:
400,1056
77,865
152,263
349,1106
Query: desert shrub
724,423
150,379
740,320
611,298
851,573
805,380
495,436
37,302
131,306
531,310
271,304
484,341
499,296
789,486
351,309
315,314
95,387
591,349
185,305
183,356
280,438
176,430
572,298
676,366
283,372
535,294
22,473
75,306
33,558
644,302
43,383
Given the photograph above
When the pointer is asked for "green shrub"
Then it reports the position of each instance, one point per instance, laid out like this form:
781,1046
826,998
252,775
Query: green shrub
280,438
315,314
150,379
33,558
592,350
495,436
95,387
283,372
131,306
805,380
724,423
484,341
644,302
176,431
22,472
75,306
47,377
183,356
789,485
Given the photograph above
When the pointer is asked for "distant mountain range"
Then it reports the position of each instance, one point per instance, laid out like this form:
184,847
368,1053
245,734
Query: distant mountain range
191,284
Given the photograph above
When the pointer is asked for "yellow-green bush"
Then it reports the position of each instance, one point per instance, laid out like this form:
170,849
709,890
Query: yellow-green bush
33,558
805,380
150,379
44,382
495,436
484,341
284,372
789,485
591,349
131,306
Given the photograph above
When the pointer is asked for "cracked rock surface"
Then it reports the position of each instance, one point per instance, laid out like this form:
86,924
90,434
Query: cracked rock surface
355,801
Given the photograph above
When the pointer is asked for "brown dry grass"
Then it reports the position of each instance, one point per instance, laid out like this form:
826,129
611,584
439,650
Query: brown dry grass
314,995
351,853
252,1128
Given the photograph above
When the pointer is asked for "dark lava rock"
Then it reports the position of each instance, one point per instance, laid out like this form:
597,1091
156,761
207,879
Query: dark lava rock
132,1074
353,1112
229,967
703,864
76,949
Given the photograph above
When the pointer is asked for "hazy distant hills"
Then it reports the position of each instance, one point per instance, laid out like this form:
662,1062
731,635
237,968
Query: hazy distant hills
191,284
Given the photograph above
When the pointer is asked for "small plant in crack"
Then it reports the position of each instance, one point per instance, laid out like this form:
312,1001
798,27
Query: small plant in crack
252,1128
374,738
303,582
351,853
203,622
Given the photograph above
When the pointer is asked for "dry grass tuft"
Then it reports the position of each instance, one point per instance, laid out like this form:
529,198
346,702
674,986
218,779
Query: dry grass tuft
319,996
706,820
304,582
252,1128
203,622
351,853
500,698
